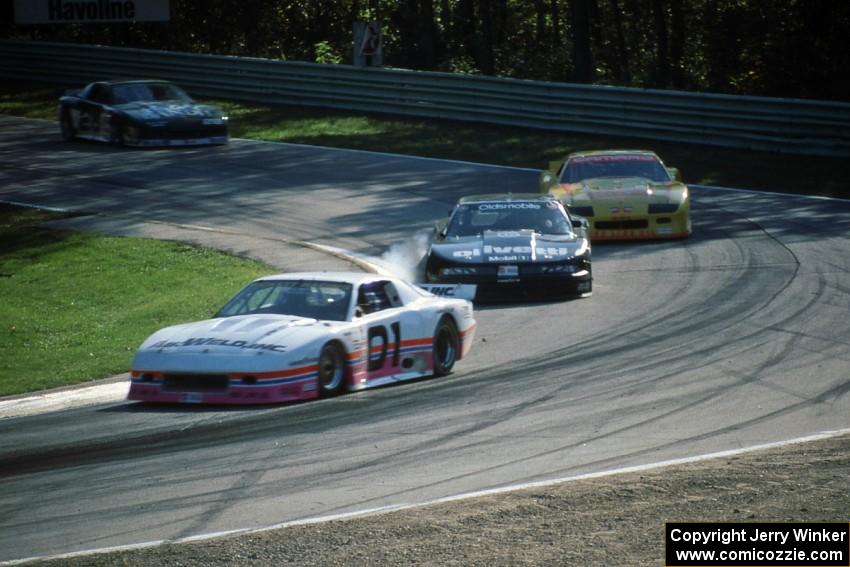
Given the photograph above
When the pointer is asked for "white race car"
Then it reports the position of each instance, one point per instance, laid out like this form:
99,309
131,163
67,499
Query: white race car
304,335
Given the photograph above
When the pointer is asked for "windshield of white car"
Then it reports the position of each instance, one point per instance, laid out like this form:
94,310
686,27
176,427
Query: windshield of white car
543,218
148,92
328,301
593,167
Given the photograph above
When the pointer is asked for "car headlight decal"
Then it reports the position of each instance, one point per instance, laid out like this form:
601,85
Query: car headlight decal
662,208
559,269
458,271
582,211
582,249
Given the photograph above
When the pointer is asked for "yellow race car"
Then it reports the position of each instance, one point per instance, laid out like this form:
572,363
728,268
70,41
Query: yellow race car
624,194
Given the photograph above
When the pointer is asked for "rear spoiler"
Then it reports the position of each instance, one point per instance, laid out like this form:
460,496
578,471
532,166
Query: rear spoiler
460,291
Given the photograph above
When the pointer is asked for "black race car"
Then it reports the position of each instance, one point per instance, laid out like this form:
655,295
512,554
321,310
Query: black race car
139,113
512,246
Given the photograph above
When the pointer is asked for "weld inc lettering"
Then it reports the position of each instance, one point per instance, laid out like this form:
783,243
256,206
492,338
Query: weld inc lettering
220,342
442,291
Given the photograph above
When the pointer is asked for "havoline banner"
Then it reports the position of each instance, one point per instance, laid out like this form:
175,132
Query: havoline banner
90,11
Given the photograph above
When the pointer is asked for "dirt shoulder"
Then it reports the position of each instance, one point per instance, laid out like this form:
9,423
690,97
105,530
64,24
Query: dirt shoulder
613,520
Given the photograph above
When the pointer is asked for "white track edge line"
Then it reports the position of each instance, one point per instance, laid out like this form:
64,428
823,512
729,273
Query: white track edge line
398,156
771,193
34,206
511,167
447,499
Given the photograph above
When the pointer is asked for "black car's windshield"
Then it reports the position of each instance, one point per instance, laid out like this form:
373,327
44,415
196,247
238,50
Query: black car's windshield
543,218
634,165
148,92
328,301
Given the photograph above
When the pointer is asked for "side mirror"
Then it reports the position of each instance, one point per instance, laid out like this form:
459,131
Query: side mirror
440,228
674,173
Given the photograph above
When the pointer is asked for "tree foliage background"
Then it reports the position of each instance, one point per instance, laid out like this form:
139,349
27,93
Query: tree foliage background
791,48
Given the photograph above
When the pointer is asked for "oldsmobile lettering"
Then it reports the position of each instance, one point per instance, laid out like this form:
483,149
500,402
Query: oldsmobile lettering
507,206
205,341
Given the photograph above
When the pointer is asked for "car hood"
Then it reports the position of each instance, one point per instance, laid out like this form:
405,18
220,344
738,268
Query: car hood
622,188
155,111
244,335
510,246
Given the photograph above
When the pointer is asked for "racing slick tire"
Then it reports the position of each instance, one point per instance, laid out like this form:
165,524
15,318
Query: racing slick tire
69,133
446,346
116,135
331,370
586,289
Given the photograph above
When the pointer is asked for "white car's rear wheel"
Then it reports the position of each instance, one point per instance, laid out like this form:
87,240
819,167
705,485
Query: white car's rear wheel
331,370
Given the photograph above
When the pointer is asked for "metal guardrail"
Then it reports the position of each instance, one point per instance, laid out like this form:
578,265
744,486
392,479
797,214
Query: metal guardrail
760,123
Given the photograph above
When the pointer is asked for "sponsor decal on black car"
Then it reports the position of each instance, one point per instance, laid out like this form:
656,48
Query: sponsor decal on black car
505,251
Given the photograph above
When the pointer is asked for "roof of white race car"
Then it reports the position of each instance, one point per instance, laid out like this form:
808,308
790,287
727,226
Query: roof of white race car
597,153
506,198
353,278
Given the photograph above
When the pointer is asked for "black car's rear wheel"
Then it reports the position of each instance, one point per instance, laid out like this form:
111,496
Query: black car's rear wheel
446,346
69,133
116,135
331,370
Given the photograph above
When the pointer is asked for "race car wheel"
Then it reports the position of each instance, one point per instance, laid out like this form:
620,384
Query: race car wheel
116,135
69,133
584,289
331,370
446,346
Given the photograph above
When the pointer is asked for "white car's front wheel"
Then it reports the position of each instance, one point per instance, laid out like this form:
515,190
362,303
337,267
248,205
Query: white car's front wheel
331,370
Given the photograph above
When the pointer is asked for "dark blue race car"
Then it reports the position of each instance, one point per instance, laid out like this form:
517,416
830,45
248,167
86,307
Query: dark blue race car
512,246
139,113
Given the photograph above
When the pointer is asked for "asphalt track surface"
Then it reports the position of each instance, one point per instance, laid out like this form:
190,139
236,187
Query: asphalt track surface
738,336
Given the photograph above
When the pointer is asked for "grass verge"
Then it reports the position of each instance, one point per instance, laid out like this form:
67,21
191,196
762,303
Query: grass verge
501,145
76,305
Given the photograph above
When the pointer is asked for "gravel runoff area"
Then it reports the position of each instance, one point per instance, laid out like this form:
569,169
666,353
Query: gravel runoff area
608,520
